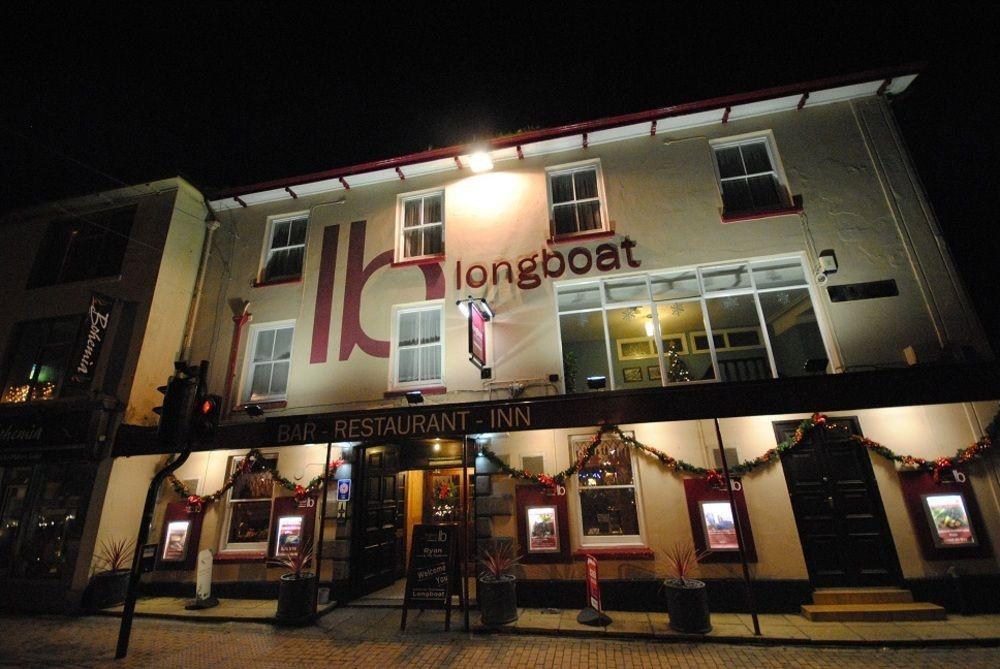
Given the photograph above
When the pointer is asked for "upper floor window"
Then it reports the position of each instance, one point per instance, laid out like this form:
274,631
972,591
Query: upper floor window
749,176
81,247
420,226
285,249
419,350
39,358
269,362
575,199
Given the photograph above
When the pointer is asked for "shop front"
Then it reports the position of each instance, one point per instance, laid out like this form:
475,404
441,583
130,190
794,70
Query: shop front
839,483
50,463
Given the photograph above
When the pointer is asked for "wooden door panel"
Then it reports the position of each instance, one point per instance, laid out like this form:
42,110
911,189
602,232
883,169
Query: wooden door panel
381,554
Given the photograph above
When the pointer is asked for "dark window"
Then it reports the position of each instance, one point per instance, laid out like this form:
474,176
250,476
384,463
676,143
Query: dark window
748,178
38,359
83,247
286,250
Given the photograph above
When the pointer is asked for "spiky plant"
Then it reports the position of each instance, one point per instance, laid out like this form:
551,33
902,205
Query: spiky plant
296,561
682,561
115,554
498,560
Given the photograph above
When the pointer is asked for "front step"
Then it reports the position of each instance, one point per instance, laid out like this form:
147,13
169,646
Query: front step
872,613
861,596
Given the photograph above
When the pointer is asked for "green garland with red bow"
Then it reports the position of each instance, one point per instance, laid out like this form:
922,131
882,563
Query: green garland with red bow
715,477
254,463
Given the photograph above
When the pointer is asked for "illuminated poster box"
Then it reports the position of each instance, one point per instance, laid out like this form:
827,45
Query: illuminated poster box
720,529
948,517
289,535
175,544
542,529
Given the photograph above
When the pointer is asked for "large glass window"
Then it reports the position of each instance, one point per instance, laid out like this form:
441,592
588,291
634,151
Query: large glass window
270,361
609,509
736,321
286,248
420,231
85,246
419,350
248,508
13,505
39,358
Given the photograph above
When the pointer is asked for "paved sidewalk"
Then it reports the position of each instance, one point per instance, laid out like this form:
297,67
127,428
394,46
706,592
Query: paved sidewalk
369,637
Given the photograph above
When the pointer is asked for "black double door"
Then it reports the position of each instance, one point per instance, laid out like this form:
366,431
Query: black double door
381,528
838,511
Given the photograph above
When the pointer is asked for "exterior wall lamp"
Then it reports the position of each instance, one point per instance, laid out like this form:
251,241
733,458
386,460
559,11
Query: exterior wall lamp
484,307
480,161
414,397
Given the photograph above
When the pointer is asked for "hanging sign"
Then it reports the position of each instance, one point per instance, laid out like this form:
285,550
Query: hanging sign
477,334
91,340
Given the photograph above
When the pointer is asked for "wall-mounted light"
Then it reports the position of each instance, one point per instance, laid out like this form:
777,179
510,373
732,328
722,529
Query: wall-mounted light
484,307
597,382
480,161
414,397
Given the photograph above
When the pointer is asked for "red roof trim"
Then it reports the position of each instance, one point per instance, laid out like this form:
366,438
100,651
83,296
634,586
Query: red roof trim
510,141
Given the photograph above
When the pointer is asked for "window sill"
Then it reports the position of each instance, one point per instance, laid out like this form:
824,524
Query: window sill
623,553
274,404
239,557
755,215
555,240
425,260
431,390
276,282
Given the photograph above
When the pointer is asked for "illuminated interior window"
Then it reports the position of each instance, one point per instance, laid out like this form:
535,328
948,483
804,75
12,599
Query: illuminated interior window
41,353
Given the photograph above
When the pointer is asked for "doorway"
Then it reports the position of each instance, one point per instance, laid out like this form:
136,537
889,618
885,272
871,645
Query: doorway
838,511
400,488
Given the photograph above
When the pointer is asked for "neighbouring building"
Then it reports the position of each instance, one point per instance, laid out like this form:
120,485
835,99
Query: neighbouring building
97,294
756,259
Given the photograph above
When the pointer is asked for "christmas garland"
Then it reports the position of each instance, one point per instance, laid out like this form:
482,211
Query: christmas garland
254,462
816,421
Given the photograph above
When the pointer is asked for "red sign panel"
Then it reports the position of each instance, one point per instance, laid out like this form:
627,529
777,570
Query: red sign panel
477,335
593,587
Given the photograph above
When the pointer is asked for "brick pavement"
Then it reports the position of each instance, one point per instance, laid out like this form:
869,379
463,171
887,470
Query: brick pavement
357,637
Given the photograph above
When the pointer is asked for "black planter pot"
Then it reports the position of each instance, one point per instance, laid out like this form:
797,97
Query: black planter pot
296,598
107,588
497,600
687,606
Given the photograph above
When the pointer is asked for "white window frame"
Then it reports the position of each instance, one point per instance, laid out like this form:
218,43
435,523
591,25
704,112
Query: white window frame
401,200
822,320
269,249
397,311
224,545
777,169
571,168
248,363
524,456
622,541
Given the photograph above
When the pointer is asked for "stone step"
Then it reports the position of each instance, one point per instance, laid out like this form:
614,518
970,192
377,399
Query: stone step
873,613
861,596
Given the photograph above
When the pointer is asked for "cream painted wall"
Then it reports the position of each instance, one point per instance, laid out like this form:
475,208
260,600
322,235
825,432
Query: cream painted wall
928,432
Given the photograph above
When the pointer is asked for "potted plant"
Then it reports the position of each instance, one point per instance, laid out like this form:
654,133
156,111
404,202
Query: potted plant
297,588
110,580
496,589
687,599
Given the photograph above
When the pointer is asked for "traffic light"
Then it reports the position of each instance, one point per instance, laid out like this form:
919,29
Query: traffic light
179,397
205,418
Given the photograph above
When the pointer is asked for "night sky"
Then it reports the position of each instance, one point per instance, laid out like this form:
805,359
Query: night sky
226,94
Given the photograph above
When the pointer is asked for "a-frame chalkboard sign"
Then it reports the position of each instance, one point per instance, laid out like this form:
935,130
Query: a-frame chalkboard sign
429,574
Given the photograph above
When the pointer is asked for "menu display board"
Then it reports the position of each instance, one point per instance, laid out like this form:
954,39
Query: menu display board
432,562
720,528
542,529
949,520
176,542
289,535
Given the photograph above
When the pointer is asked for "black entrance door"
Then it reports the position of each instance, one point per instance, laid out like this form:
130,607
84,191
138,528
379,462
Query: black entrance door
382,520
838,511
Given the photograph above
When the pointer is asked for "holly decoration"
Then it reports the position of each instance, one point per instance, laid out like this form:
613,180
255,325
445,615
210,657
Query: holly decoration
254,462
815,422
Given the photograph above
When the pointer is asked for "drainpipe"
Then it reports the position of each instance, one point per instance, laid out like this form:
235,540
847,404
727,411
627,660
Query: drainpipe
212,224
239,322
